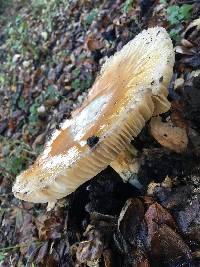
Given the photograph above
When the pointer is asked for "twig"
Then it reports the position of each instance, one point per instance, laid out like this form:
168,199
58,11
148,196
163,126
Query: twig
19,246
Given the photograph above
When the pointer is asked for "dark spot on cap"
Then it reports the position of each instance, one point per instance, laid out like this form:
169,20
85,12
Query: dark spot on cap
152,82
158,33
165,116
92,141
161,79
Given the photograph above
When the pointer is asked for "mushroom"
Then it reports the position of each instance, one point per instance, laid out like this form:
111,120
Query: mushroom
131,88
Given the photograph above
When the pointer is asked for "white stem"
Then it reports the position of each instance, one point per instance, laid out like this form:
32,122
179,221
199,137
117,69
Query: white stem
126,165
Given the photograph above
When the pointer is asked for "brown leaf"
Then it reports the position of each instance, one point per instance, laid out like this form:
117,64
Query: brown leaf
38,140
107,256
155,216
169,135
51,102
144,263
192,29
168,248
178,119
93,44
177,105
49,227
90,250
105,20
148,200
43,251
11,124
139,258
51,261
36,75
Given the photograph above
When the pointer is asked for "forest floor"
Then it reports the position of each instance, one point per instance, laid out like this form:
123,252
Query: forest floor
50,53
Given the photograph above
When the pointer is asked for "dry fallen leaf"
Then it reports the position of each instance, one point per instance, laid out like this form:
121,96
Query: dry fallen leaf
93,44
169,248
89,251
144,263
49,227
107,256
189,47
168,135
194,24
178,120
38,140
155,216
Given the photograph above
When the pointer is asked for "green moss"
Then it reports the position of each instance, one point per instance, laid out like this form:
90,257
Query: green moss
177,14
127,6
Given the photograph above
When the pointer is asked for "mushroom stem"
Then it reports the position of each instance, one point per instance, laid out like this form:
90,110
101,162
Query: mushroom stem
50,205
126,165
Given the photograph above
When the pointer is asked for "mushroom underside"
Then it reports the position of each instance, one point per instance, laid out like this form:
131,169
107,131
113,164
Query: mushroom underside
105,153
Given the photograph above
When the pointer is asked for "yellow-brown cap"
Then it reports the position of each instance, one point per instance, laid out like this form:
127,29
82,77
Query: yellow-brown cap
131,87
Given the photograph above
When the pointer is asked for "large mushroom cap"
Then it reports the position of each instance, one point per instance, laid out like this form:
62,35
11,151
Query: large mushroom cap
131,87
